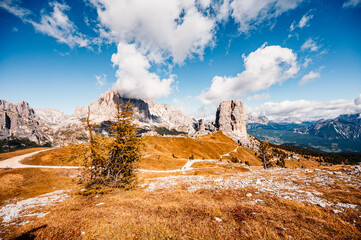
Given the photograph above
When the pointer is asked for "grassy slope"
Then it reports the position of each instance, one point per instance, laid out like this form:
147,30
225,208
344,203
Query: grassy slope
8,155
158,152
179,214
210,146
26,183
176,213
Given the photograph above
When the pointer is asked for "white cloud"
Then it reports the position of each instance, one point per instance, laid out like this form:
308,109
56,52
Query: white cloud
305,110
351,3
310,45
133,77
250,13
204,3
357,100
309,77
307,62
258,97
304,22
159,28
222,10
12,6
58,26
293,26
265,67
101,79
207,112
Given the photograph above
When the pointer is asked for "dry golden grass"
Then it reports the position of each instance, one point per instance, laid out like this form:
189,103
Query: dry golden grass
64,156
160,153
29,182
181,215
160,162
8,155
210,146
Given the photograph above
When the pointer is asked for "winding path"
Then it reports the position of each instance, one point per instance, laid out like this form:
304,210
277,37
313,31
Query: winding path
15,162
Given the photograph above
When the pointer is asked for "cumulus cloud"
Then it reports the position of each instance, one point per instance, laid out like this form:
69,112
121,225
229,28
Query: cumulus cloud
101,80
134,80
159,28
351,3
309,77
258,97
310,45
265,67
357,100
305,110
250,13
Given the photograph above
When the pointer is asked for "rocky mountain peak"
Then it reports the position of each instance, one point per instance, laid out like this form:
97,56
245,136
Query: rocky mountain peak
231,117
19,120
103,108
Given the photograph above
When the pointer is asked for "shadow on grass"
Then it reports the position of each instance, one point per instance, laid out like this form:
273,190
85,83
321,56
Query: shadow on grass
30,234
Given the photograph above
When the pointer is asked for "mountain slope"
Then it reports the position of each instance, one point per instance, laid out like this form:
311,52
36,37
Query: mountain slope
341,134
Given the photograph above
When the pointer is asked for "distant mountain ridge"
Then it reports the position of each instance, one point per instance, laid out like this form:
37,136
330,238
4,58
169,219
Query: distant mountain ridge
341,134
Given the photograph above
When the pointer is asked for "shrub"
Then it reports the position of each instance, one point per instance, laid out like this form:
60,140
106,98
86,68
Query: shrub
234,160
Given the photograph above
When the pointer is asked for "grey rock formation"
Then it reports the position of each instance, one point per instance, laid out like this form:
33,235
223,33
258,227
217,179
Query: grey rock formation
147,113
231,117
201,125
166,115
103,109
18,120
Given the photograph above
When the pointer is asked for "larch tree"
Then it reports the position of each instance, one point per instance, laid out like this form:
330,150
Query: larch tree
112,160
125,148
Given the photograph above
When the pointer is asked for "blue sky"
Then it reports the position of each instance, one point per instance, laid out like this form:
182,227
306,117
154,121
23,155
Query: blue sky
282,58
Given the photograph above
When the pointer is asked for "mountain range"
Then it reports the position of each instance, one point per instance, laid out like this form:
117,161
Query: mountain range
341,134
18,121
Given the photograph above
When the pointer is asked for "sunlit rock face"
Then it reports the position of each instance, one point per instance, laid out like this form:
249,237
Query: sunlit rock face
19,120
231,117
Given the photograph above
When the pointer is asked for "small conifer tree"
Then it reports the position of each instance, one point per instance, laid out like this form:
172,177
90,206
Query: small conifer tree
111,161
125,148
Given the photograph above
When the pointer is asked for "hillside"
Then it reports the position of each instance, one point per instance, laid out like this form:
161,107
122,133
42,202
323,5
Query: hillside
222,201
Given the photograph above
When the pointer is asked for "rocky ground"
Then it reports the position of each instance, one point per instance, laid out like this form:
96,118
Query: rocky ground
206,199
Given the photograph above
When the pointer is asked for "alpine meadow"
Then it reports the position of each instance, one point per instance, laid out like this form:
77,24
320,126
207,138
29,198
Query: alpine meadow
180,119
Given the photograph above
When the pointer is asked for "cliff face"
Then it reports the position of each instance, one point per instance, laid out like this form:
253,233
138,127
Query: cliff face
20,121
48,125
103,109
145,112
231,117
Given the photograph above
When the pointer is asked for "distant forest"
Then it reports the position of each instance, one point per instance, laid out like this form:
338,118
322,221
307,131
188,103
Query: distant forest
334,158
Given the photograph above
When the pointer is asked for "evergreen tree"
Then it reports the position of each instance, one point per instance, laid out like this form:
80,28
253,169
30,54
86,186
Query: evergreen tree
125,148
111,160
